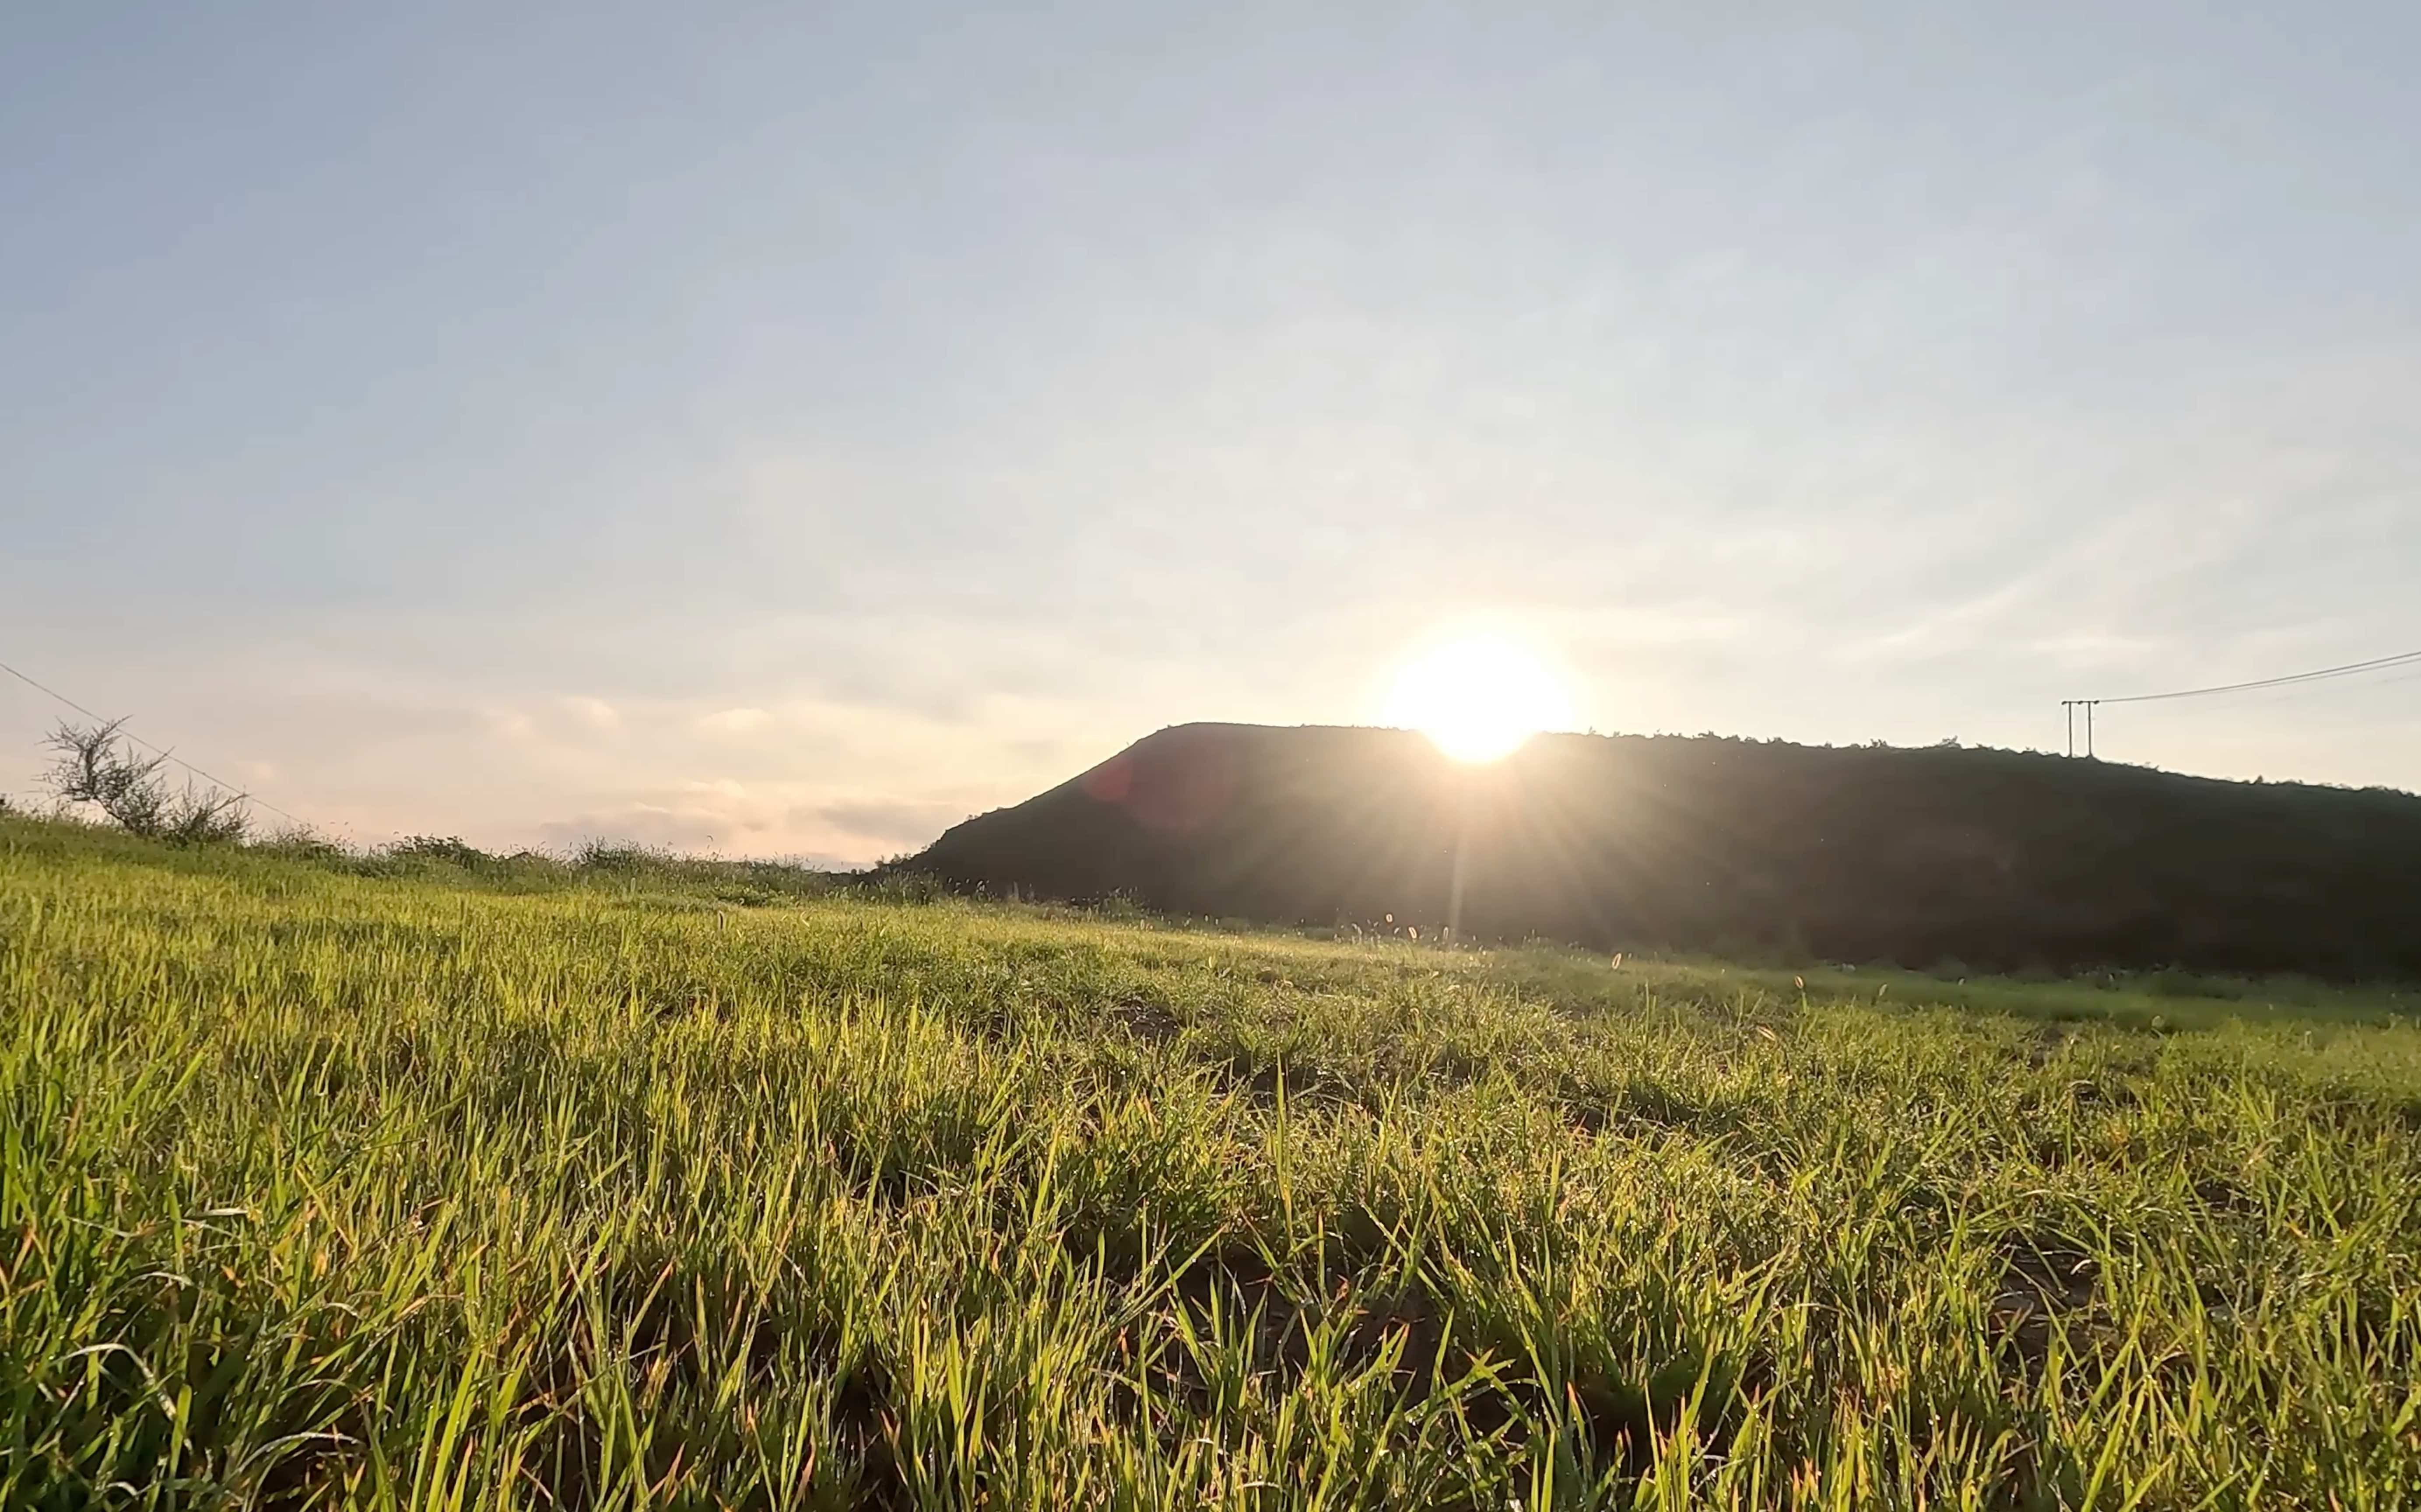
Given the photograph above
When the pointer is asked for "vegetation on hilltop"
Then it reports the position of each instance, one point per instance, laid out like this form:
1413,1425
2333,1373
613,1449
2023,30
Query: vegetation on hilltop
409,1188
2000,860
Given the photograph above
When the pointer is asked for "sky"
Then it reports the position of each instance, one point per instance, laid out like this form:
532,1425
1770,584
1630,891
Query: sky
788,429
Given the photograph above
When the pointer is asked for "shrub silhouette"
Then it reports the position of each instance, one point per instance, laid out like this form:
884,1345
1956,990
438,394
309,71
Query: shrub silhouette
98,766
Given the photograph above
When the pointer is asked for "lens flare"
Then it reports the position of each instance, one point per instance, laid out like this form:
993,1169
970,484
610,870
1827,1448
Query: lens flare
1478,696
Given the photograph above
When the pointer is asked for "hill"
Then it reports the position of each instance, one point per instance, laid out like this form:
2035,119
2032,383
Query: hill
1995,859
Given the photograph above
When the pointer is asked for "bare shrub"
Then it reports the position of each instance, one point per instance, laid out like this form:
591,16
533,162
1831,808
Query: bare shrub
99,765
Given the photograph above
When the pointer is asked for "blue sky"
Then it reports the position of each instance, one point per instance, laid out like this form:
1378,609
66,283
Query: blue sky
786,430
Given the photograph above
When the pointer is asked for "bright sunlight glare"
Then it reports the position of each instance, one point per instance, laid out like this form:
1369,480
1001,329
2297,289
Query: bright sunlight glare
1477,697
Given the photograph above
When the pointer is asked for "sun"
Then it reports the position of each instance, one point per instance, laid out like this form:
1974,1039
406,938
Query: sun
1477,697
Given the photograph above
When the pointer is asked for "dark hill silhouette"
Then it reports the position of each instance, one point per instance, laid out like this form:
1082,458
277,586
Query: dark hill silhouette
1997,859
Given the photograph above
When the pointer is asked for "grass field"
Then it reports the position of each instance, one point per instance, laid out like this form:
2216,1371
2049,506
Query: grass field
430,1189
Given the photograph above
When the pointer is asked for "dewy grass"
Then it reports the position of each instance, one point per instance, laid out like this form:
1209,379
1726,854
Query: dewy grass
412,1191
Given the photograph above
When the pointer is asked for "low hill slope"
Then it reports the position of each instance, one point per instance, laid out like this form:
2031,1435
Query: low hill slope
1992,858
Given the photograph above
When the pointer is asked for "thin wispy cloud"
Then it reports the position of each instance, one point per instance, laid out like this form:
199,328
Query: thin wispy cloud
889,415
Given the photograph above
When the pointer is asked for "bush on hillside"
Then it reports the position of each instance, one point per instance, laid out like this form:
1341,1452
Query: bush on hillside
448,849
619,855
885,885
300,842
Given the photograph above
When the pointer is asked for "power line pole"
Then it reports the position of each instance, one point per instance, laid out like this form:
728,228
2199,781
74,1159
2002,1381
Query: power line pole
2072,705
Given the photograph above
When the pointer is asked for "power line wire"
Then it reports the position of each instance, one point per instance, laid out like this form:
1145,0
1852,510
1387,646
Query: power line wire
2349,669
2399,673
159,751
